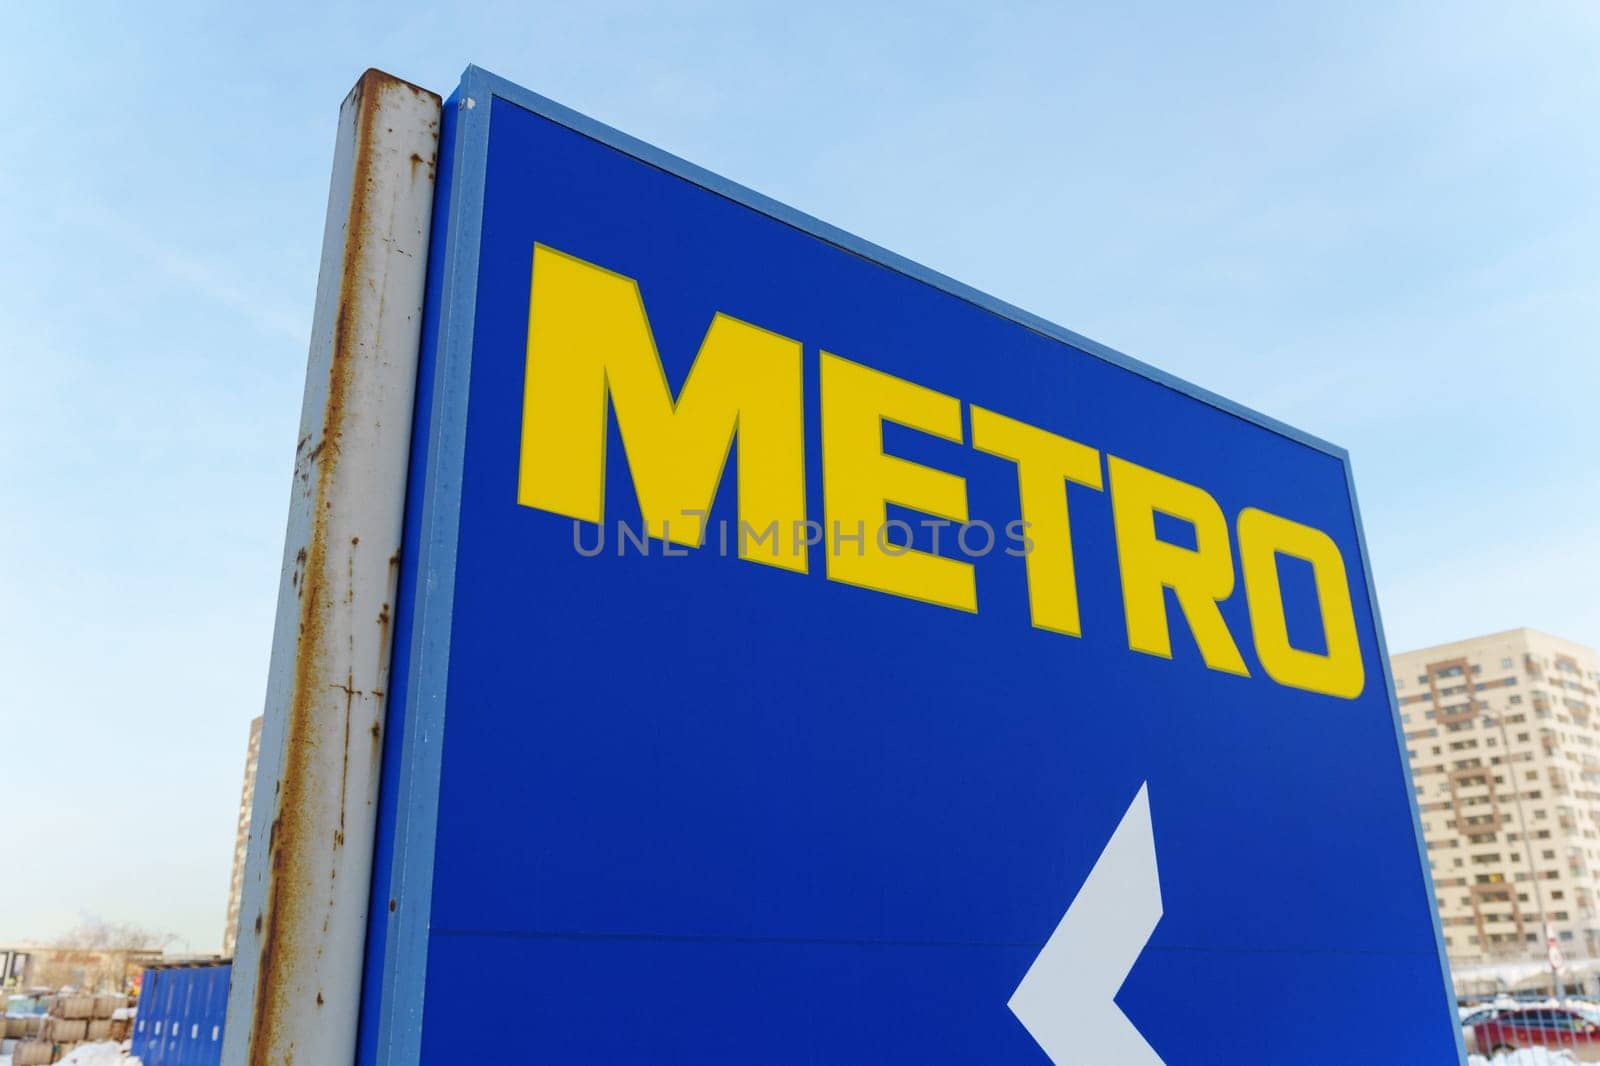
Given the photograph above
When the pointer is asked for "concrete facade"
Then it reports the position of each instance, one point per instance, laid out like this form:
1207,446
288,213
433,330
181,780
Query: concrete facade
241,839
1503,736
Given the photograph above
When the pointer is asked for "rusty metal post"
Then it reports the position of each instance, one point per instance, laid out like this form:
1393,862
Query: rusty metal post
302,926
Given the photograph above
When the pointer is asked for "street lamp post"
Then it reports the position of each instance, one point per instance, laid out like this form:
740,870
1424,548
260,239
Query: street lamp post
1527,839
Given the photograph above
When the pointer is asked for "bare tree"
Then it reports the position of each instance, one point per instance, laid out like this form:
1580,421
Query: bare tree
97,934
96,955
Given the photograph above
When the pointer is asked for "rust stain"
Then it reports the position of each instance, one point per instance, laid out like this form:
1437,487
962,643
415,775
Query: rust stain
344,766
293,851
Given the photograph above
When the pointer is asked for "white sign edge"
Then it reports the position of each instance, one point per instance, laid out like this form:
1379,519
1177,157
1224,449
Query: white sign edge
297,972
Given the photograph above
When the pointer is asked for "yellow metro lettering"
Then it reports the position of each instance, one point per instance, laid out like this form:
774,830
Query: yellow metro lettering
589,341
1201,578
858,480
1045,462
590,351
1262,538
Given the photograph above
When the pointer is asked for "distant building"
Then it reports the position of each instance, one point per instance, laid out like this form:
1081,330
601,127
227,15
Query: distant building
241,838
54,967
16,967
1503,733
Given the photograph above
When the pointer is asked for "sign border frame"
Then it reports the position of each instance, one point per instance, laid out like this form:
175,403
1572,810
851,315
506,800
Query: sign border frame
467,121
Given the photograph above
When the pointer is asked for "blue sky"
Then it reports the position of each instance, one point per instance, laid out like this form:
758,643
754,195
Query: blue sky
1377,221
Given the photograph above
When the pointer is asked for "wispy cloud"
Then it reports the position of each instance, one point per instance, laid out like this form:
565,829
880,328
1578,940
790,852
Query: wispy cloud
218,284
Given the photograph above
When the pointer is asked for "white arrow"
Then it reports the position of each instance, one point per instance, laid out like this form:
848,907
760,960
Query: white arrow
1066,1000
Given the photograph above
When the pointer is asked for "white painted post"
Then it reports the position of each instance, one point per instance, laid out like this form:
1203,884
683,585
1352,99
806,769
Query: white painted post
303,921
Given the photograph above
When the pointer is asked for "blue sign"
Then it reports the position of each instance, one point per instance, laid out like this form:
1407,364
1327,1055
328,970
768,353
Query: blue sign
802,658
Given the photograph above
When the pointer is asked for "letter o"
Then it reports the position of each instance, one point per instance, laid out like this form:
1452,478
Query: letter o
988,544
883,538
1262,538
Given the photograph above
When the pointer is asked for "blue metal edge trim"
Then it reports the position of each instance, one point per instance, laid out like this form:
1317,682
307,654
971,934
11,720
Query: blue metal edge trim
493,85
399,1032
1405,761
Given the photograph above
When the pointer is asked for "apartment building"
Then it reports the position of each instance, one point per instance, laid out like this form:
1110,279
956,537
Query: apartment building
241,837
1503,733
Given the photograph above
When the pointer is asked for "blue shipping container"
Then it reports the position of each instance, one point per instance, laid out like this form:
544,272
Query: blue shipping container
181,1010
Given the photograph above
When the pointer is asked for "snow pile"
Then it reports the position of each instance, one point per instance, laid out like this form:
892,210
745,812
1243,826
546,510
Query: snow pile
104,1053
1533,1056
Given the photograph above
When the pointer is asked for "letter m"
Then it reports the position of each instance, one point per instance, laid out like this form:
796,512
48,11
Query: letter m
591,350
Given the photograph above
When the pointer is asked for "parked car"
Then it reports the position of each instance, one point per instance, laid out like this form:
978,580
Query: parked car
1564,1028
1470,1020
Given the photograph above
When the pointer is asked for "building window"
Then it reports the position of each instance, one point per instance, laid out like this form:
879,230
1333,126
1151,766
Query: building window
1505,664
